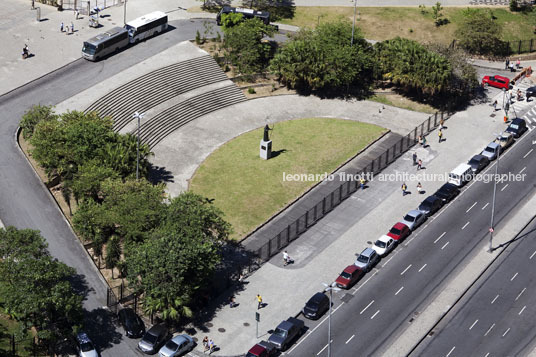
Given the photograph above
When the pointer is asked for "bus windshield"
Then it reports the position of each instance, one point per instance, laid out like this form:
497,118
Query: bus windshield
89,48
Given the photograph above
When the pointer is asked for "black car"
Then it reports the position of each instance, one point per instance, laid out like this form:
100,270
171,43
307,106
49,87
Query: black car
153,339
132,323
530,92
447,192
517,127
478,162
430,205
316,306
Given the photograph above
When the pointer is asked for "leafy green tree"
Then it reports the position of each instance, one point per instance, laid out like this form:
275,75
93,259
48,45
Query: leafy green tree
35,288
479,33
231,19
324,59
436,13
120,155
244,45
113,253
180,257
89,177
33,116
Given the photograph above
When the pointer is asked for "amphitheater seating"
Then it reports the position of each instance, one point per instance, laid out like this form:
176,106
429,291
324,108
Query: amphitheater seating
154,88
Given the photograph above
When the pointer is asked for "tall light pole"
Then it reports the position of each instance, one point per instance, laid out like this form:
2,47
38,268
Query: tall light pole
330,288
353,24
494,193
124,12
138,116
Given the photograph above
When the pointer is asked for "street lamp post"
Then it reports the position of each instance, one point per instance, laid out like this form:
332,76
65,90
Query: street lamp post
494,193
138,116
353,24
125,13
330,288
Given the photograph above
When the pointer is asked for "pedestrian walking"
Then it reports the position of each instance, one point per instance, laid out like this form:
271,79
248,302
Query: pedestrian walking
512,69
424,141
232,302
495,105
518,63
441,122
404,188
61,26
72,27
440,134
419,164
362,183
76,14
420,139
415,156
286,258
507,63
259,301
205,344
211,346
419,188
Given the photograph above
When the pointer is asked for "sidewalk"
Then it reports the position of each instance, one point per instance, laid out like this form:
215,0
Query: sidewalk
286,289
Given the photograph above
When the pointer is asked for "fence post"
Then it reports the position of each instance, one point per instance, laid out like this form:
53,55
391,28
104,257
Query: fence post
288,233
324,206
315,213
121,292
107,296
519,47
429,120
307,219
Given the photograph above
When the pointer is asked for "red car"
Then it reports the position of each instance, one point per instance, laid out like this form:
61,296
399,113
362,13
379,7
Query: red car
496,81
399,232
349,277
262,349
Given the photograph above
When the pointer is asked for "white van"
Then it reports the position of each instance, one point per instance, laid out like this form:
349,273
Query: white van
461,175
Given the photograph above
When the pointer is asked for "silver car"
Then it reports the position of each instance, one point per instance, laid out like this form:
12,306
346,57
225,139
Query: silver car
491,151
413,219
177,346
367,259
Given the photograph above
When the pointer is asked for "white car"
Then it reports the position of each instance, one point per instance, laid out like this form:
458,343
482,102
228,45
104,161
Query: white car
85,346
384,245
177,346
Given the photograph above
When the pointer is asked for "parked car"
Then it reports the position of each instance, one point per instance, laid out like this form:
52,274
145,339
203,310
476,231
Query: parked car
367,259
517,127
530,92
430,205
478,162
153,339
491,151
262,349
349,276
286,332
317,305
399,231
505,140
384,245
413,219
447,192
496,81
85,346
132,323
177,346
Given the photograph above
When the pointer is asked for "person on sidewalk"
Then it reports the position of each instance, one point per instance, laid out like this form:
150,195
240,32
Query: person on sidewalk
419,139
518,63
76,14
232,302
205,344
72,27
507,63
404,188
61,26
259,301
440,134
495,105
424,141
419,164
441,123
362,183
419,188
415,156
211,346
286,258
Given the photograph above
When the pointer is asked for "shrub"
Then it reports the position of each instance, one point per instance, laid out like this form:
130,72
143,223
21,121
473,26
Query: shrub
251,90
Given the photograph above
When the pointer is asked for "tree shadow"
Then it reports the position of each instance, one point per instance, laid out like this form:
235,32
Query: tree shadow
80,286
99,324
159,174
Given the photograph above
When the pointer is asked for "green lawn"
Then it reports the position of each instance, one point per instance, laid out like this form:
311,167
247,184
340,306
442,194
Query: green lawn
381,23
7,328
250,190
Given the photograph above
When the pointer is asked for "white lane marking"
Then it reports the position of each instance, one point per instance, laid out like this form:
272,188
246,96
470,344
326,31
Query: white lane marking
473,325
520,312
505,186
388,260
527,154
488,331
465,225
405,270
441,236
522,291
362,311
399,290
422,268
350,339
523,169
505,332
492,301
474,204
444,245
532,254
322,350
452,349
376,313
487,354
486,205
514,277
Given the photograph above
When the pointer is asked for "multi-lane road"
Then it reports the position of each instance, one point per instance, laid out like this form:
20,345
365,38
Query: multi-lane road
26,203
375,312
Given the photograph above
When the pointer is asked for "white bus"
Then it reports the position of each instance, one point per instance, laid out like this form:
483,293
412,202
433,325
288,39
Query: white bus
147,26
102,45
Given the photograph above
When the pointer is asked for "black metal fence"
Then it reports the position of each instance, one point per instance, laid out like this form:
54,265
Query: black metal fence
274,245
521,46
